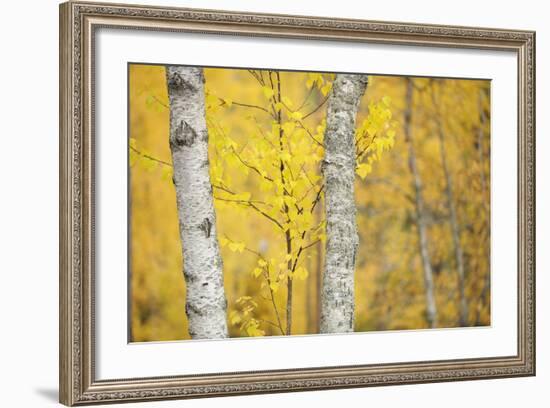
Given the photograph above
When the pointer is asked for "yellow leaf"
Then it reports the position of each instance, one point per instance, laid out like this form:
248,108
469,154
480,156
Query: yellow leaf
301,273
268,92
265,185
244,196
133,157
212,103
224,241
363,169
285,156
278,202
275,128
237,246
326,88
262,263
253,330
257,272
228,102
278,106
274,286
232,161
235,318
288,128
296,115
166,173
289,200
306,220
148,164
287,101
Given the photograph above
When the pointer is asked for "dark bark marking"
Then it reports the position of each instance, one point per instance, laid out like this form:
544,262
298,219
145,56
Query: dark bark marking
189,307
188,277
184,135
177,83
206,227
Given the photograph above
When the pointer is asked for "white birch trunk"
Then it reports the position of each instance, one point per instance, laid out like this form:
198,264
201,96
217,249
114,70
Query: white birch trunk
202,264
337,297
455,230
486,196
431,309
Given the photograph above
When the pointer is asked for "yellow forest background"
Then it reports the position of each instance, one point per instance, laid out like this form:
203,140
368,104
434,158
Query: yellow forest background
389,285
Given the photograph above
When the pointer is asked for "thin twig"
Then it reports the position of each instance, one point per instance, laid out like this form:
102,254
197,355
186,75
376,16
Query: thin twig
305,99
251,205
251,167
317,108
391,185
160,102
310,134
246,105
151,157
242,201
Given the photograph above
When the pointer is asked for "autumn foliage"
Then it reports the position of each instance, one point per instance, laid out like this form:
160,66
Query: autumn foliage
266,132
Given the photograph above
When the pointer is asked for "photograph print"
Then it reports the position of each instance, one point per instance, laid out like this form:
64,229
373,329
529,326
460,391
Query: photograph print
278,203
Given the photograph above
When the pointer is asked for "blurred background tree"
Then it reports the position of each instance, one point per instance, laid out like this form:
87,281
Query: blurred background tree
260,206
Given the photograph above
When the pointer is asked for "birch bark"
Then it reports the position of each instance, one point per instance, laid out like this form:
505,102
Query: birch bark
431,309
202,264
455,229
486,196
337,297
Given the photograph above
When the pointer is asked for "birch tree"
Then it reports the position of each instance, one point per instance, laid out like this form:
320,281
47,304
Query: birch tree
202,264
484,94
338,167
453,219
431,309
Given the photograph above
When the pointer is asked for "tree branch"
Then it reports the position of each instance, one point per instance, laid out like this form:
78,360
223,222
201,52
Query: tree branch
310,134
250,204
151,157
318,107
245,105
250,166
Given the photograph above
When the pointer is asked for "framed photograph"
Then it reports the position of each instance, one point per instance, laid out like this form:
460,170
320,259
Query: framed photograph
255,203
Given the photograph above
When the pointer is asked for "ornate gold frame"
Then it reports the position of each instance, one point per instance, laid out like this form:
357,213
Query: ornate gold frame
78,22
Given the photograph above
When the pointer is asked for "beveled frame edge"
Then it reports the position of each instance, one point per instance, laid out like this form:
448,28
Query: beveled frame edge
76,366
